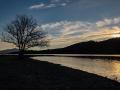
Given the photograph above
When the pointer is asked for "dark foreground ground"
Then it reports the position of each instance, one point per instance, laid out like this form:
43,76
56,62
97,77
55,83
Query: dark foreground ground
33,74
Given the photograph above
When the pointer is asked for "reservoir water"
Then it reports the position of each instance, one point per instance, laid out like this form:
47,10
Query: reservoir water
103,67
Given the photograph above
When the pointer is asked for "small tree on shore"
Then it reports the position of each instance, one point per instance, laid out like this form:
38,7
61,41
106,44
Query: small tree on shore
24,34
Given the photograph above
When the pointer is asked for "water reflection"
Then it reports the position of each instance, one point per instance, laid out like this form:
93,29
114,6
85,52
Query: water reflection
107,68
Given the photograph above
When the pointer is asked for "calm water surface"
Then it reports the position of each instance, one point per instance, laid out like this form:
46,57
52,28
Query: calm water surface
106,68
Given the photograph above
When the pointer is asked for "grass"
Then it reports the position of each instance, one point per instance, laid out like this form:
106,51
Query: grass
26,73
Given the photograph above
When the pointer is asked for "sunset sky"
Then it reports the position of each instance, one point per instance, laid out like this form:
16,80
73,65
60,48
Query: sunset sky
66,21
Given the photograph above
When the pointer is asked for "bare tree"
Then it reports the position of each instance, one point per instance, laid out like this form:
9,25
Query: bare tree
23,33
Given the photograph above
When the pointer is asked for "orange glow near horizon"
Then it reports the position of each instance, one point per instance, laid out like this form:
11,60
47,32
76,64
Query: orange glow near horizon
115,35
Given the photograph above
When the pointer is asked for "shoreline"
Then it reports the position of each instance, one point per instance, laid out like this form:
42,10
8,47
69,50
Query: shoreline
29,73
92,56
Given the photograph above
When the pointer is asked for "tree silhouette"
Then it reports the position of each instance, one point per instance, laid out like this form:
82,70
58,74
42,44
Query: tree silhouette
24,33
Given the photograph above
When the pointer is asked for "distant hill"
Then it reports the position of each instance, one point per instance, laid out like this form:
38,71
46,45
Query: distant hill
111,46
8,51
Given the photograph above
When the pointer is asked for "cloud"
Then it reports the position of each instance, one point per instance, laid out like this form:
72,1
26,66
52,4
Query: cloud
42,6
107,22
51,4
63,4
62,1
37,6
65,33
5,45
54,1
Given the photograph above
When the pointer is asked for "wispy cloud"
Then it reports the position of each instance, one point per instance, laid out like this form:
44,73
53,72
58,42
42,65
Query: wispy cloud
51,4
65,33
109,22
4,45
63,4
42,6
54,1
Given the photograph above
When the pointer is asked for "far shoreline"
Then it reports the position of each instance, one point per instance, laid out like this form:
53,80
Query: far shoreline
92,56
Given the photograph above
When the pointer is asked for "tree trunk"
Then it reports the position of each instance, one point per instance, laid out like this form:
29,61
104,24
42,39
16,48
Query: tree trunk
21,54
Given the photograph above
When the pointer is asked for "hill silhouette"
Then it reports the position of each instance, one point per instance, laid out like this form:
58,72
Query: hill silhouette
110,46
7,51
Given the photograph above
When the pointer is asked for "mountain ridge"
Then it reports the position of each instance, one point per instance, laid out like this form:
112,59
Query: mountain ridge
110,46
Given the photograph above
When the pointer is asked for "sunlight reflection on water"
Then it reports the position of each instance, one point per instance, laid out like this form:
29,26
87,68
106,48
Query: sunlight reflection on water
106,68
